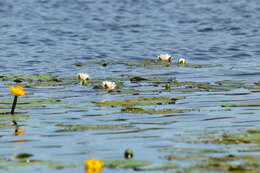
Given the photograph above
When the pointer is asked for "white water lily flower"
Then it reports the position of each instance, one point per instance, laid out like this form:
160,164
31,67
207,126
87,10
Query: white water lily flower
164,57
83,76
182,61
108,85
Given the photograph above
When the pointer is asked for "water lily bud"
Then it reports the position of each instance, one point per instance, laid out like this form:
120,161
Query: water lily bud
108,85
182,61
164,57
83,76
167,86
129,154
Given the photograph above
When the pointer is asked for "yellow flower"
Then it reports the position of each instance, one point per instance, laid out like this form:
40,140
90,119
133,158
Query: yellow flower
94,166
182,61
17,91
164,57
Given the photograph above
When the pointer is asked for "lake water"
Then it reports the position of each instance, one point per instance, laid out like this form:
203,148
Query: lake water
65,123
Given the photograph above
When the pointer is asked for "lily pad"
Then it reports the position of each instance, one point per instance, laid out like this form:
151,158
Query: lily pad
13,117
83,127
36,164
241,105
24,102
26,77
140,101
151,111
126,164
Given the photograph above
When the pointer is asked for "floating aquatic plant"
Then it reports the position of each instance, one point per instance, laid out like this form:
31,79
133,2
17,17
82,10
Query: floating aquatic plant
129,154
94,166
16,91
83,77
108,85
164,57
182,61
140,101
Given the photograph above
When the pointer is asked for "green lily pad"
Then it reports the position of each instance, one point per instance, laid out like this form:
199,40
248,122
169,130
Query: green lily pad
241,105
151,111
140,101
36,164
26,77
25,103
13,117
126,164
83,127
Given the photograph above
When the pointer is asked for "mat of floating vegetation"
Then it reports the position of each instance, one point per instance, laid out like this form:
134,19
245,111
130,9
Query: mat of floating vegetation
15,117
18,163
225,163
126,164
27,77
25,103
37,80
7,112
139,165
84,127
140,101
241,105
249,137
151,111
151,63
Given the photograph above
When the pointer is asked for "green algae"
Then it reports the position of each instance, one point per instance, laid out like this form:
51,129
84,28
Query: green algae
140,101
126,164
83,127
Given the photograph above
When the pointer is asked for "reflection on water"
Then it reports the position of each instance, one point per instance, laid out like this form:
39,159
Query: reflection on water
18,131
45,44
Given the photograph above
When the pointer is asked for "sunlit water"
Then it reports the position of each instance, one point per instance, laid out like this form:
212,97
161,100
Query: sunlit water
51,36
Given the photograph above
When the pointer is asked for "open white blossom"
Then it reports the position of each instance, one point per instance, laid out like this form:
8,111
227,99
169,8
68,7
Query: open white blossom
182,61
108,85
164,57
83,76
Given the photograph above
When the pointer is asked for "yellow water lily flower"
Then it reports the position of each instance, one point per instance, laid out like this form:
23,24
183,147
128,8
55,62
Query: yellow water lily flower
17,91
108,85
182,61
94,166
83,76
164,57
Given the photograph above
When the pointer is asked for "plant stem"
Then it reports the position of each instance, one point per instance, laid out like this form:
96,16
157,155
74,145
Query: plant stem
14,104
